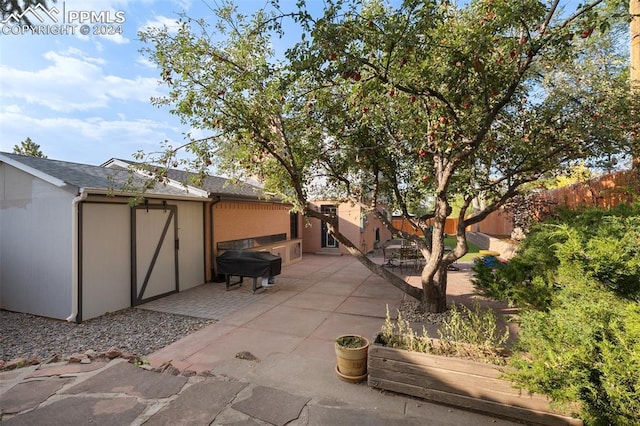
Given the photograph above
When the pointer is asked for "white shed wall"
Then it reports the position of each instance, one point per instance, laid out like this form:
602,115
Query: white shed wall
191,253
106,258
35,245
106,254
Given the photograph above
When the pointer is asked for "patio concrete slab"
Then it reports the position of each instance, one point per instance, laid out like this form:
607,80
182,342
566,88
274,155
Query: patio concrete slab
320,416
376,290
288,320
316,348
294,344
336,287
338,324
316,301
446,416
272,405
311,377
199,404
258,342
189,345
243,316
277,294
376,280
368,306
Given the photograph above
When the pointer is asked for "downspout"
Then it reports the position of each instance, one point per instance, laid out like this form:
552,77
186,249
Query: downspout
214,267
74,253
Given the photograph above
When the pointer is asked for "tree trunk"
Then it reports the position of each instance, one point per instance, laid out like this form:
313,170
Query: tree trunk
435,291
434,274
634,11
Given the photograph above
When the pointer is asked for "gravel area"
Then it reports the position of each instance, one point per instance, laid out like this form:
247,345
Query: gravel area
137,331
411,312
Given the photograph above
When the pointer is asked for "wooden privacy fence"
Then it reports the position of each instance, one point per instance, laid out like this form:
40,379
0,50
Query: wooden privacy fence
402,224
603,192
497,223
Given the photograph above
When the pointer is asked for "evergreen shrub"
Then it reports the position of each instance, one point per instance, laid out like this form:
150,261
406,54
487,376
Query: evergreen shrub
577,281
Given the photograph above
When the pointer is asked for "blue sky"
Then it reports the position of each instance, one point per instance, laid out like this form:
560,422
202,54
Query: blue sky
86,98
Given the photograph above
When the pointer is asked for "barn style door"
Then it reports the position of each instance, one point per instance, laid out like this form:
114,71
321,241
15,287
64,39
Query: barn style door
154,252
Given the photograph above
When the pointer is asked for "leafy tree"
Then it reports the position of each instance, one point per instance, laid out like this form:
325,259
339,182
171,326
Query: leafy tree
28,147
391,106
17,7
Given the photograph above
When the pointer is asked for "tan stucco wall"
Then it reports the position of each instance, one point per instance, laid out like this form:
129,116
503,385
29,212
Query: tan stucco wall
359,230
233,220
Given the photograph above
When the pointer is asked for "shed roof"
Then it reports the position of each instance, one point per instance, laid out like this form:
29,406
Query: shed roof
214,185
77,176
219,186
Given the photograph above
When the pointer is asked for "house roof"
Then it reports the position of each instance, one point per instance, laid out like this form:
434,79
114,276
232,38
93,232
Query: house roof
218,185
214,185
87,177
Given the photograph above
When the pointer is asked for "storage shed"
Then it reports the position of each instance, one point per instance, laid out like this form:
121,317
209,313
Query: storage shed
72,248
239,216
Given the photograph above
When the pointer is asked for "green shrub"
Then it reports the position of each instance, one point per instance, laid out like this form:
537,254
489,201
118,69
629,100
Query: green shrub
612,256
467,332
515,284
585,350
352,342
603,244
528,279
473,333
399,334
579,339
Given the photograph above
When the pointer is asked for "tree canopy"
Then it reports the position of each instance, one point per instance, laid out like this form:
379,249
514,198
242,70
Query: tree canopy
390,105
28,147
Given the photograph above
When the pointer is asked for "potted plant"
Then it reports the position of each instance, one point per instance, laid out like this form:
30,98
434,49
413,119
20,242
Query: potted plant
351,353
463,368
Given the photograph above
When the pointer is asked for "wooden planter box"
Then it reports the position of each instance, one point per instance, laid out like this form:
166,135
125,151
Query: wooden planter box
457,382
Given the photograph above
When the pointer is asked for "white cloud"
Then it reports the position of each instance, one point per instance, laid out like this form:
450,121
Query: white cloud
131,89
74,51
183,4
115,38
12,109
146,62
73,82
92,128
160,22
90,140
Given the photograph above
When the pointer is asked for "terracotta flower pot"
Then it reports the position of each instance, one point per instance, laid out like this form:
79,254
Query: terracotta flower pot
351,353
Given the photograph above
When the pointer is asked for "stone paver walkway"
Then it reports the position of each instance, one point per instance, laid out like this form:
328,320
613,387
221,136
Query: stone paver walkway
211,301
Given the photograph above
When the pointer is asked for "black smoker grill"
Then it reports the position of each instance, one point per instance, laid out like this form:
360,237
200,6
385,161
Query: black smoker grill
253,264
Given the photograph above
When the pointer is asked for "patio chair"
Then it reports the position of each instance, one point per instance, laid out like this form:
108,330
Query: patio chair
390,249
409,257
389,256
